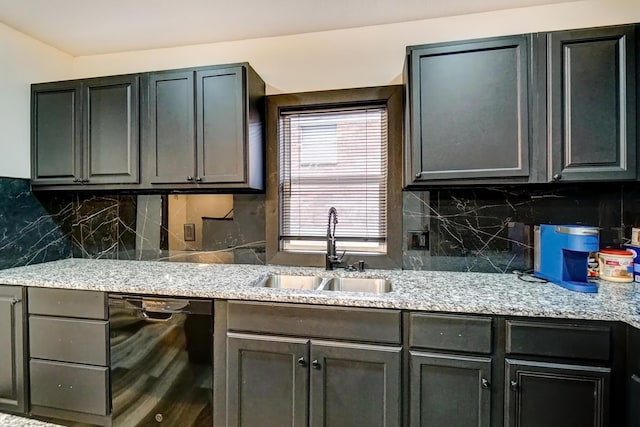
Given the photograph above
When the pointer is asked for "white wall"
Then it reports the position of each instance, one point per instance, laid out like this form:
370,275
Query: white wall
359,57
23,60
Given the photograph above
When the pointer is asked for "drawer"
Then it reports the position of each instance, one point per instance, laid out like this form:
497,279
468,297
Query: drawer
341,323
567,340
70,387
69,340
68,302
451,332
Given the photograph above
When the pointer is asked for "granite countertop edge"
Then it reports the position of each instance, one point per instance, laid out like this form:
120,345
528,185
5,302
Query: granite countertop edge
472,293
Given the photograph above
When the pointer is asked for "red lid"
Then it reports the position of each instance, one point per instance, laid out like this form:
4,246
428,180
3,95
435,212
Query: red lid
618,252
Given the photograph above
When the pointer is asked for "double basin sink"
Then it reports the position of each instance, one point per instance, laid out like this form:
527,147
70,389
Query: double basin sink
345,284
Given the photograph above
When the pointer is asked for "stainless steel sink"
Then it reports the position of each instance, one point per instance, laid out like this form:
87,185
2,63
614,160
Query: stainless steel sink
287,281
345,284
358,284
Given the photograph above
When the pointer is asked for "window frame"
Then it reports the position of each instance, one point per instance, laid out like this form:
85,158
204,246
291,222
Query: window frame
390,96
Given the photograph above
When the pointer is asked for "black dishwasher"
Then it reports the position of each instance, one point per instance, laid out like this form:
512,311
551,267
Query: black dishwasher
161,361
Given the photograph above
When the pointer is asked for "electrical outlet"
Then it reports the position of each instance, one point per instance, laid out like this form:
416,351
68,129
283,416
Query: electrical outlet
418,240
189,232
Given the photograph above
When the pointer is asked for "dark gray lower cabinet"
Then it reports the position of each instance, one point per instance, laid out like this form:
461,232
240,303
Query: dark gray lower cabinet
541,394
281,381
354,385
449,390
12,381
268,381
633,378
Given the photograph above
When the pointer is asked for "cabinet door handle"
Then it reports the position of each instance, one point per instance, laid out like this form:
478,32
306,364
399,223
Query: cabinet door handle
189,178
418,175
76,179
485,383
315,364
635,378
84,181
302,362
556,177
514,385
199,179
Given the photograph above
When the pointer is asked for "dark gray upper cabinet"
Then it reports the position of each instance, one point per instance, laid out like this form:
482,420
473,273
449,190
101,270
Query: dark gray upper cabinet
204,127
468,111
85,131
556,395
56,133
12,366
171,132
111,130
591,90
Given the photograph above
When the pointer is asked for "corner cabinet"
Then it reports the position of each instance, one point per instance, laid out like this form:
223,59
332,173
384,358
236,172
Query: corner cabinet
85,131
591,90
633,377
468,111
204,127
559,374
282,372
13,390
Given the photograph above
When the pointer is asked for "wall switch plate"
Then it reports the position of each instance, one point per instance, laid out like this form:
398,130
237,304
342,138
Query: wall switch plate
418,240
189,232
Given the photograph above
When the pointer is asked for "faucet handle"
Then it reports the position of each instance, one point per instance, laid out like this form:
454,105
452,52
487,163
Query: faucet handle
356,266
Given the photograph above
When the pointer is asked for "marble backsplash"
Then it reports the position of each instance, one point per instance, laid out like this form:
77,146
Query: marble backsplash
481,229
491,229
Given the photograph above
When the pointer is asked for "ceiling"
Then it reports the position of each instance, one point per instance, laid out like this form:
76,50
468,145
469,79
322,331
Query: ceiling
89,27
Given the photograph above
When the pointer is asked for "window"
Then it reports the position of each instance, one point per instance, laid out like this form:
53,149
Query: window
333,157
339,148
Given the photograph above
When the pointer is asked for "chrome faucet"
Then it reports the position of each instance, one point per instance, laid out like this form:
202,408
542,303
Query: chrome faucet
332,257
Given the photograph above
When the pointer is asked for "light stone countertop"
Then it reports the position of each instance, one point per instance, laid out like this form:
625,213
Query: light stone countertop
7,420
481,293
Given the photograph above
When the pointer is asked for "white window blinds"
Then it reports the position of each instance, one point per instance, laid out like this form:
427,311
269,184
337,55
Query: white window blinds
333,157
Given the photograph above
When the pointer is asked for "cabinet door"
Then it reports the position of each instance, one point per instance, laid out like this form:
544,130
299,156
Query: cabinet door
267,381
449,390
111,130
12,382
354,385
171,127
56,133
221,125
556,395
592,121
633,378
469,110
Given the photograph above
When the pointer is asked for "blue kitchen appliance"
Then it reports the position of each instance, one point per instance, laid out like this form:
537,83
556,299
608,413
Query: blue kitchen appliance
561,255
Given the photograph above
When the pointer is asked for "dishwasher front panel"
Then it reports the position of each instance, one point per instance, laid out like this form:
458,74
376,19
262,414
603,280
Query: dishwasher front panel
161,361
